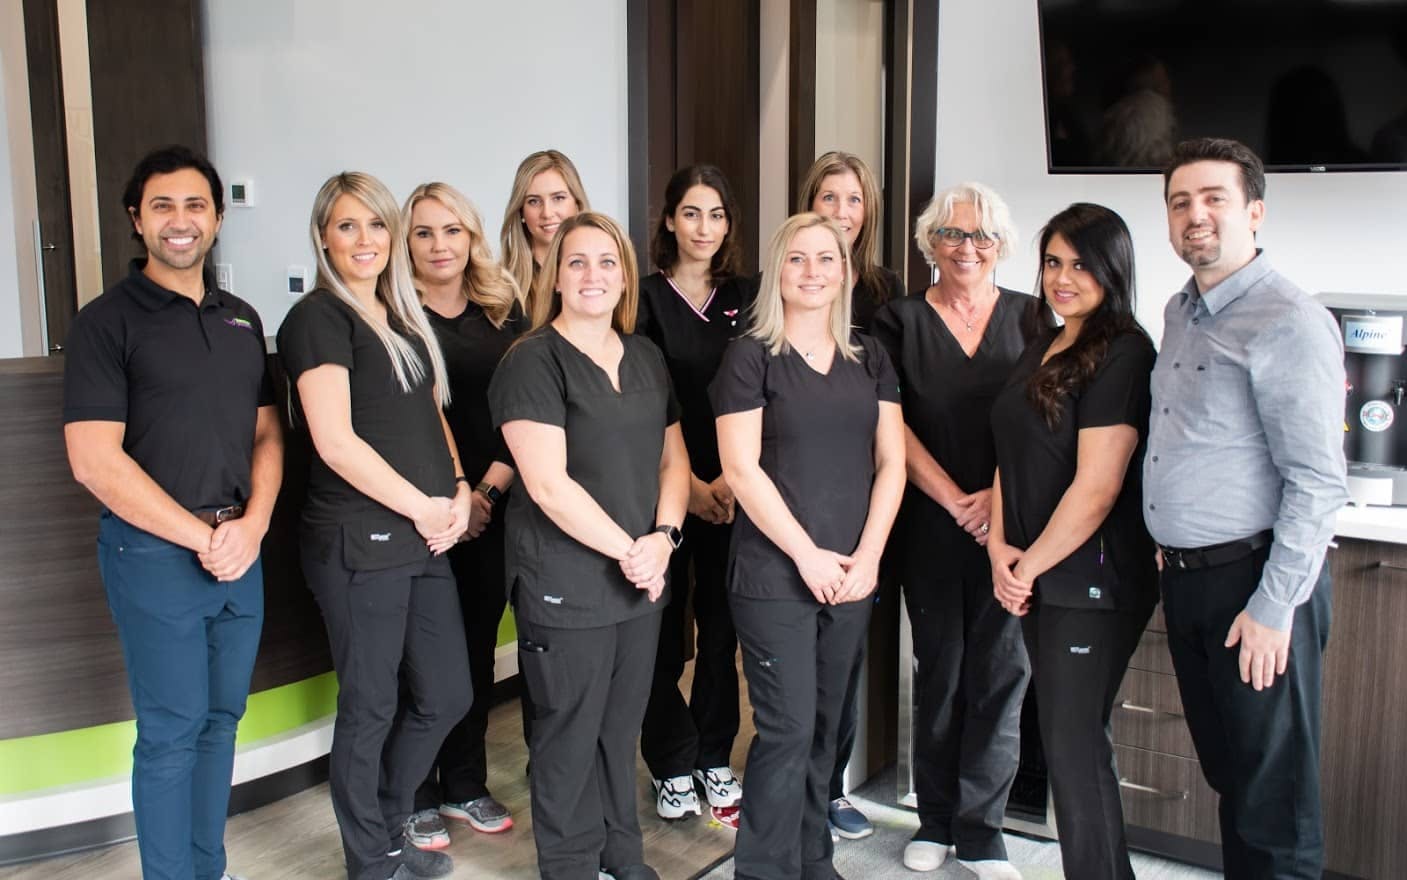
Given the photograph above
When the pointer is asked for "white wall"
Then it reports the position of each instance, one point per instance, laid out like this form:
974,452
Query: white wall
409,91
1342,232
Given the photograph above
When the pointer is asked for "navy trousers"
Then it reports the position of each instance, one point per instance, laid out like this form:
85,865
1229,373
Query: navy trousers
189,643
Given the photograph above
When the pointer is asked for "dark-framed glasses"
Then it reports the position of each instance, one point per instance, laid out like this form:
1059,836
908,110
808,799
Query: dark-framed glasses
953,237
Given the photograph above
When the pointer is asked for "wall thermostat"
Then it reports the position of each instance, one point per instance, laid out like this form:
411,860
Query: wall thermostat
242,193
297,280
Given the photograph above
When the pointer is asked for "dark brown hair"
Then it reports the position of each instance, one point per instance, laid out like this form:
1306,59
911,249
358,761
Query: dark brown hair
664,247
1102,240
1220,150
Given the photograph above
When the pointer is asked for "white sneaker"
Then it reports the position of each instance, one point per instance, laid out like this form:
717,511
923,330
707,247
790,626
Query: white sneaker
924,855
992,869
675,797
720,786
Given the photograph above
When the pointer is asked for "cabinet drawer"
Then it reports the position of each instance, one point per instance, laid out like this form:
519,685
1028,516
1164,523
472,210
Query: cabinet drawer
1152,654
1148,715
1166,793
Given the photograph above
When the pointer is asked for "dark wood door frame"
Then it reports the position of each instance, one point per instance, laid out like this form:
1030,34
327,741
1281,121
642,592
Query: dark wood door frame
911,131
801,96
49,131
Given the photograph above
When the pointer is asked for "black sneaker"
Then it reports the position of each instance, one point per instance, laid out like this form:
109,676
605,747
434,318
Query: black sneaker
413,863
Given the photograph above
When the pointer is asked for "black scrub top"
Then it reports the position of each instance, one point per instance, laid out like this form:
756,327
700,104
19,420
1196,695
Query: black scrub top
692,341
817,448
614,444
472,347
866,300
1115,566
402,427
948,405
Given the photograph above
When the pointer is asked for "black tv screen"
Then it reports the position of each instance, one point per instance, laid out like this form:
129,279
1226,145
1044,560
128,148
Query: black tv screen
1310,85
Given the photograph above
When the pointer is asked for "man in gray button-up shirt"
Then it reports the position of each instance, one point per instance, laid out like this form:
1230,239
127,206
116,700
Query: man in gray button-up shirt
1243,477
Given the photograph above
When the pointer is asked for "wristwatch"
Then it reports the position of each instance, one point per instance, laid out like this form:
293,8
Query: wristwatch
489,491
675,536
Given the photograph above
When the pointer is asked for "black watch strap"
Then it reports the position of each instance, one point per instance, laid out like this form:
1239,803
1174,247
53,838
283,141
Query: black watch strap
675,536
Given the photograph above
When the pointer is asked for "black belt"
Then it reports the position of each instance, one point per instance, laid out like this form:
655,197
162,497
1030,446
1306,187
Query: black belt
1214,554
213,518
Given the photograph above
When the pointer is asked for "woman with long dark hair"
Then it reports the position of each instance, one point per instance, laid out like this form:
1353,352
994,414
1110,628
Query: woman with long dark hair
386,498
472,304
691,308
587,411
1070,553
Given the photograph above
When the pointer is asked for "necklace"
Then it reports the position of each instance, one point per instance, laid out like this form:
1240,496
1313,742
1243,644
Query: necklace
972,318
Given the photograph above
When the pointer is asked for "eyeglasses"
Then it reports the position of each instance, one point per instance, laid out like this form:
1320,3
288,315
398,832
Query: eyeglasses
953,237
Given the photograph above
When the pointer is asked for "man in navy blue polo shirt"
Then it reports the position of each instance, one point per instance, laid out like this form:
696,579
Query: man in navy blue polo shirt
170,422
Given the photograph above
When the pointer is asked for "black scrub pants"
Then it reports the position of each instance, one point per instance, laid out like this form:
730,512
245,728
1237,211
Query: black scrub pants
589,688
460,772
678,738
971,681
1259,749
1078,660
385,626
797,656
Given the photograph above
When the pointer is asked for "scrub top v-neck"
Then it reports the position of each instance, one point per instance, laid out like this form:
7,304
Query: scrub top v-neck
614,440
948,397
817,448
1115,565
692,340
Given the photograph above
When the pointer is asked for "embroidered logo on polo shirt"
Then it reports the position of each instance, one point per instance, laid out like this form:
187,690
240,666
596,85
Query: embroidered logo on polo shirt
380,537
241,322
1079,649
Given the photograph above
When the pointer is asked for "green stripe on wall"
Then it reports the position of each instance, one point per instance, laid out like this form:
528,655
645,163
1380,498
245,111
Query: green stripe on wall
34,763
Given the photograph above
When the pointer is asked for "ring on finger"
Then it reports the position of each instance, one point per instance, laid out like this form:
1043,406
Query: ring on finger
985,528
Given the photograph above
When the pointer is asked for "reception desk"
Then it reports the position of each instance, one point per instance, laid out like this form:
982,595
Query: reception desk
66,723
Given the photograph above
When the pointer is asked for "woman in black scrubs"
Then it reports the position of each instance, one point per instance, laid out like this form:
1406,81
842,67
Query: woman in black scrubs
472,304
587,410
691,309
1070,553
842,187
546,191
811,440
386,498
954,346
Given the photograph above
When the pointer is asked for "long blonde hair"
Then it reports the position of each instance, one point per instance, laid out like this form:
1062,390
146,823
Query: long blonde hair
393,287
547,303
513,238
486,283
767,315
865,255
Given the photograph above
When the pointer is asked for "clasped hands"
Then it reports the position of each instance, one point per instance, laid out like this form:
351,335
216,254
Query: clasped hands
647,561
442,521
1010,584
234,545
834,578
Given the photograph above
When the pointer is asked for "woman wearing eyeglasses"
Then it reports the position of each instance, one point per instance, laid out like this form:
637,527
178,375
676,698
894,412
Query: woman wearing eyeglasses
954,347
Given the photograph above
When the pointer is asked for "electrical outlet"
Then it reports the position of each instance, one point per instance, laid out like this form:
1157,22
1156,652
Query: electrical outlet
297,281
224,277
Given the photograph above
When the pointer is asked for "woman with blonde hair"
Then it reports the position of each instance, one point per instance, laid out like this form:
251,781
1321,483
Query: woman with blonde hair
587,410
472,304
546,191
811,440
954,347
386,498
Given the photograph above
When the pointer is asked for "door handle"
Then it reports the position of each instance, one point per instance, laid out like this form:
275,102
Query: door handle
1147,710
48,247
1157,792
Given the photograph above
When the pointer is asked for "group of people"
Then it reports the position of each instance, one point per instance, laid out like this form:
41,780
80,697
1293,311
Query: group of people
604,451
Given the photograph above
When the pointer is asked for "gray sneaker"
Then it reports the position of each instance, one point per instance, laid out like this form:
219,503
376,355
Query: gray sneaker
413,863
426,830
483,814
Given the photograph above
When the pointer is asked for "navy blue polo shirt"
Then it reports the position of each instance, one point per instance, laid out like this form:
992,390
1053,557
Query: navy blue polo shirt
186,380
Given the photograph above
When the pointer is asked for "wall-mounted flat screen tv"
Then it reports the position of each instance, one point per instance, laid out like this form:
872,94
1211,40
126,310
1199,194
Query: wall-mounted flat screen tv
1311,85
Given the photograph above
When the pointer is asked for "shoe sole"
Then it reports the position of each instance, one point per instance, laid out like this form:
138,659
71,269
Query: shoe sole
499,828
433,845
853,835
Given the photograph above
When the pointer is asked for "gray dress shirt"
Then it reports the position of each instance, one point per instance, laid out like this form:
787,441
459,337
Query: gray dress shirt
1247,429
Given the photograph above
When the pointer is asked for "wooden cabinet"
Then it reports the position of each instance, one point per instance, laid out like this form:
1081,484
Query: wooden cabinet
1363,768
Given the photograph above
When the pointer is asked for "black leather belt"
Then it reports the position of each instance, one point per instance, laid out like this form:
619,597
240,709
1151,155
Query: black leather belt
213,518
1214,554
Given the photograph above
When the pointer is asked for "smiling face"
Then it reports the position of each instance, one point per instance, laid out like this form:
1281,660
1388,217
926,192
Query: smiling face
439,243
1070,289
590,277
357,240
813,270
1211,224
177,219
699,224
547,203
964,263
841,198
